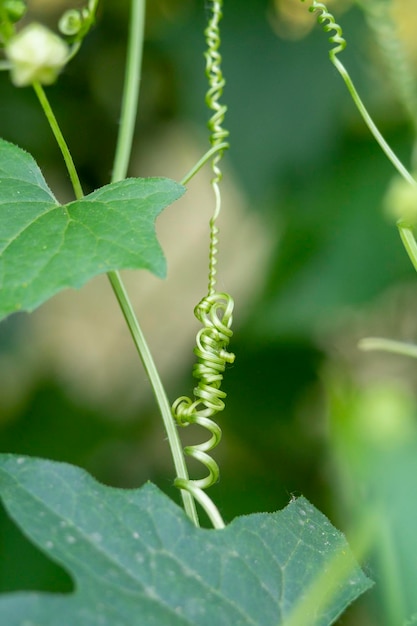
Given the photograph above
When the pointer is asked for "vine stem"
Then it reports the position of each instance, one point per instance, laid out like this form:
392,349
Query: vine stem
130,97
130,100
409,243
204,500
122,156
157,387
406,234
204,159
388,345
50,116
371,124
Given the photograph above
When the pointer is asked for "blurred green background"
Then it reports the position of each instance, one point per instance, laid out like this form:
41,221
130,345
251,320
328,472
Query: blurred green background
306,249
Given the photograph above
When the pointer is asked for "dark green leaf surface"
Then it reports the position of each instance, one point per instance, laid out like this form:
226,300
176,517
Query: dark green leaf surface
137,560
46,247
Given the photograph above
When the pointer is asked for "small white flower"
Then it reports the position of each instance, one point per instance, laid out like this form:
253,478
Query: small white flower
36,54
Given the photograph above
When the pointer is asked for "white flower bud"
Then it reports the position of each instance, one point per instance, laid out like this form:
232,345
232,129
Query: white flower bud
36,54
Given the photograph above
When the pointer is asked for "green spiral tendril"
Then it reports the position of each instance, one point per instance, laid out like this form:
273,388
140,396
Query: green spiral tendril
218,134
329,24
215,310
76,23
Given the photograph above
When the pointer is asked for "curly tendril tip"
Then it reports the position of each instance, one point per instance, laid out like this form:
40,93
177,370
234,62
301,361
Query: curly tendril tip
215,313
218,133
215,310
215,77
329,24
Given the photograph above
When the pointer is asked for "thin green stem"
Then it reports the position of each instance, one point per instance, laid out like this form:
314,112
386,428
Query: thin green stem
50,116
329,24
204,501
370,123
123,155
130,91
204,159
409,243
130,100
388,345
406,233
158,389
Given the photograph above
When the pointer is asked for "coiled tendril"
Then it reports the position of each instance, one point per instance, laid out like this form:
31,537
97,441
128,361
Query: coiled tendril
329,24
216,309
217,133
76,23
215,313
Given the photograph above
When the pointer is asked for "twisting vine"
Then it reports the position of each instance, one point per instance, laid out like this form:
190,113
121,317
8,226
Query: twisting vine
218,134
329,24
215,310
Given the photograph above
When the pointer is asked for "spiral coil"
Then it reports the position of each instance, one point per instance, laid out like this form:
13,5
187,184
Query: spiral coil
218,134
215,311
329,24
215,77
75,23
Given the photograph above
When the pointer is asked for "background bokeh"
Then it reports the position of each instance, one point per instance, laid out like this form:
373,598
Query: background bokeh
306,249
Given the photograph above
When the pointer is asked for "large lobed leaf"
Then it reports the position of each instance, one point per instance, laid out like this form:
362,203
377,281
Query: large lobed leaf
46,247
137,560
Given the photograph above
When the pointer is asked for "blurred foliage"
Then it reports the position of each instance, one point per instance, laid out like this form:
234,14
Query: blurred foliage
375,443
303,159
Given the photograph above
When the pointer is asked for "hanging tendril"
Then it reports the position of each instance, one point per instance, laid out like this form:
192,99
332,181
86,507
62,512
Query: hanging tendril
329,24
76,23
215,313
218,134
216,309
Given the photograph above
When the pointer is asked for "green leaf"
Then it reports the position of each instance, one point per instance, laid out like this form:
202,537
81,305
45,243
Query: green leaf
46,247
137,560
